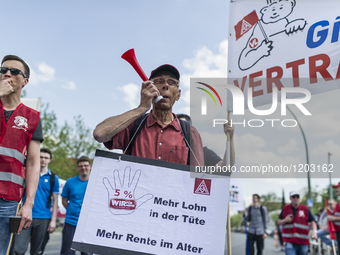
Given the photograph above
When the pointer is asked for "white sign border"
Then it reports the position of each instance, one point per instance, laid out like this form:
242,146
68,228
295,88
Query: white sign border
218,237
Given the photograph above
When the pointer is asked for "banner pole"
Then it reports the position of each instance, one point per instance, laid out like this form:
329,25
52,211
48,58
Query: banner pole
228,162
333,245
229,229
245,229
331,228
12,235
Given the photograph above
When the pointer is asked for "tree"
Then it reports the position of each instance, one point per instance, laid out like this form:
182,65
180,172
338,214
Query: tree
317,197
67,143
325,194
271,201
236,219
23,93
283,203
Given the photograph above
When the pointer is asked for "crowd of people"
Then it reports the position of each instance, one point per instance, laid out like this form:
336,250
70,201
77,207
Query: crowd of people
24,172
295,227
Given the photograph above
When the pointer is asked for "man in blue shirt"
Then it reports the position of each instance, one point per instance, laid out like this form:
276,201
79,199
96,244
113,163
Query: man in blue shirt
72,199
42,223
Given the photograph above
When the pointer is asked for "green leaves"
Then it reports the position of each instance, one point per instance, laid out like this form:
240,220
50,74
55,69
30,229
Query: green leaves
67,142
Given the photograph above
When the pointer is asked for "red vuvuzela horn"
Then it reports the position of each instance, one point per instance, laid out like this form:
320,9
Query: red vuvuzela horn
130,57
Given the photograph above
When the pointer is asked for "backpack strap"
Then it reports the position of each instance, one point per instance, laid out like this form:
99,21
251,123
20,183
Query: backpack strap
185,127
263,218
140,123
249,213
52,178
134,132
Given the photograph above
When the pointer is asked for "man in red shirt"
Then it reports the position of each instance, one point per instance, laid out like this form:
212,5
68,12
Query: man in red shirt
161,137
336,217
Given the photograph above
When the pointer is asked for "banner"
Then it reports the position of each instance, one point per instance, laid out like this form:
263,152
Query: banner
283,44
33,103
141,206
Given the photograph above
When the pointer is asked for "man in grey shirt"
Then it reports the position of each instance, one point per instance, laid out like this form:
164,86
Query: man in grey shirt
257,216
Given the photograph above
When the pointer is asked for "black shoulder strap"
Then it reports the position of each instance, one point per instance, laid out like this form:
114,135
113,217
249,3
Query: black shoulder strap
263,218
249,214
52,178
185,127
140,121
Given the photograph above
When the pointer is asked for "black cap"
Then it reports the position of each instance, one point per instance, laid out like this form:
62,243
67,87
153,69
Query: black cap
167,68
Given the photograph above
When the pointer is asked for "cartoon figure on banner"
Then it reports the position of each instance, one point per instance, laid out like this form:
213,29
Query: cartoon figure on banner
274,20
122,196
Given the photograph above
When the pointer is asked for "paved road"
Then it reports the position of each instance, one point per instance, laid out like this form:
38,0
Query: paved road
237,240
53,245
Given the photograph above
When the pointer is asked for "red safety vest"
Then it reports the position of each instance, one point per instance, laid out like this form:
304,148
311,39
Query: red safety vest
337,213
297,231
15,136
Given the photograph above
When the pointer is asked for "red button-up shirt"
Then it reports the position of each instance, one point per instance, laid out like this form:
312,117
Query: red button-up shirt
159,143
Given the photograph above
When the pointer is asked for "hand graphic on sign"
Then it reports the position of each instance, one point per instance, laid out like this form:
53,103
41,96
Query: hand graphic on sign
121,197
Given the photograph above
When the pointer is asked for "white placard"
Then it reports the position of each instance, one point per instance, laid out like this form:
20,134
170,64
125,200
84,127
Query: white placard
33,103
279,40
236,195
146,207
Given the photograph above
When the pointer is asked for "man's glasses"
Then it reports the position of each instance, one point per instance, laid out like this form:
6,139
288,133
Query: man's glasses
296,196
80,166
13,71
161,81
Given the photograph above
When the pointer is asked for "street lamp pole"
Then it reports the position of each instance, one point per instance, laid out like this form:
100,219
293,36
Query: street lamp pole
307,156
330,177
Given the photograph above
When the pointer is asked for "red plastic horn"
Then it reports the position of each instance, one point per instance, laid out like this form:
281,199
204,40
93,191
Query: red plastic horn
130,57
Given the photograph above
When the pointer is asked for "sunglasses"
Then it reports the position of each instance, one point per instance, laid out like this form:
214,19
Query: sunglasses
13,71
296,196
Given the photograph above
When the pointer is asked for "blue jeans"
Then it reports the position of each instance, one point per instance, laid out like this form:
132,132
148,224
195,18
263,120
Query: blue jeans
296,249
7,208
322,235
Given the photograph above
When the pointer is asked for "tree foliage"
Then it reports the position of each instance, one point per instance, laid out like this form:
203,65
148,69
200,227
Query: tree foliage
318,197
236,220
271,201
67,143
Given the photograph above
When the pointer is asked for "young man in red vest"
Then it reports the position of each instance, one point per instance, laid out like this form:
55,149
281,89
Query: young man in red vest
323,232
336,217
20,137
295,219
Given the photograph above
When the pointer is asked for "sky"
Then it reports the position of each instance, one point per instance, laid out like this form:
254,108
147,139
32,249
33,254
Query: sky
74,50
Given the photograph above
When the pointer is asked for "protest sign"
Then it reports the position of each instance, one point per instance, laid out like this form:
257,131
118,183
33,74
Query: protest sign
141,206
283,44
236,195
